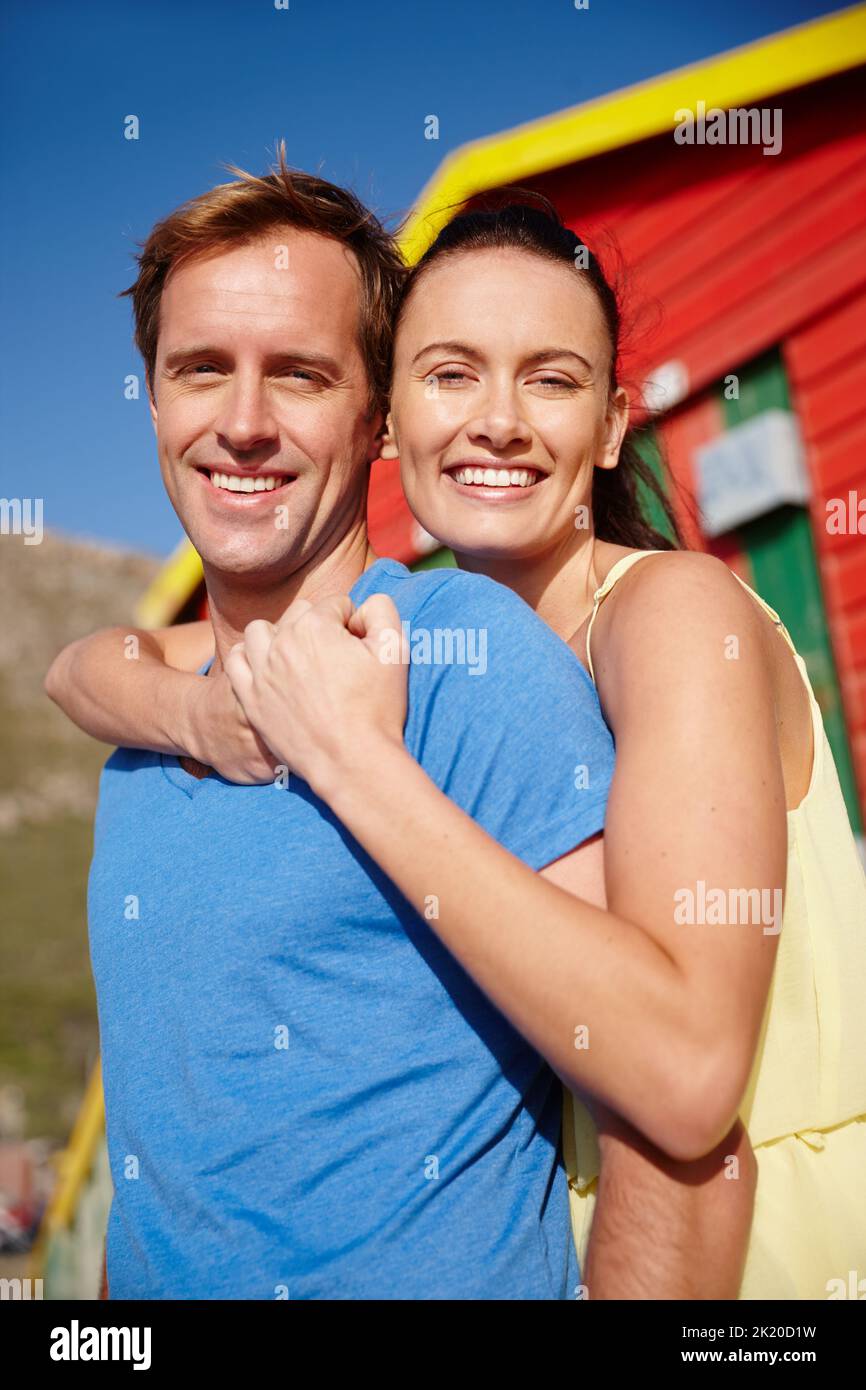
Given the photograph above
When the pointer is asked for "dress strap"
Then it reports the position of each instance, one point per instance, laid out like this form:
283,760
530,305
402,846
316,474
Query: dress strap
614,574
819,737
771,612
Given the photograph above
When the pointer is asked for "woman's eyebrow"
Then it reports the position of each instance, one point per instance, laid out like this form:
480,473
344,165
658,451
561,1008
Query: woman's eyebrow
548,355
451,346
459,349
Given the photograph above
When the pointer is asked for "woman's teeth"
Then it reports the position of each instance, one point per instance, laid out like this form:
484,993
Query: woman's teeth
496,477
232,483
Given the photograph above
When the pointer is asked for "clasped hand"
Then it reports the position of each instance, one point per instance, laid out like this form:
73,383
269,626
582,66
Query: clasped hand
315,693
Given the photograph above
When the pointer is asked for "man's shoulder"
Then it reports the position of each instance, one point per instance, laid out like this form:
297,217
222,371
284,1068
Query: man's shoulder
461,624
448,592
410,589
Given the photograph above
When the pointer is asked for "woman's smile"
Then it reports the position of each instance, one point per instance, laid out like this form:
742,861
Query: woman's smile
491,480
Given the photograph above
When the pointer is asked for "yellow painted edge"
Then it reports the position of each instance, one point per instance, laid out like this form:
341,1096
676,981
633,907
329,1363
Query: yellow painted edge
75,1162
170,589
792,58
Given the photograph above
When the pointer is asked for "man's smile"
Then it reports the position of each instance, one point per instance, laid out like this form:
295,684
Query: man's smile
244,488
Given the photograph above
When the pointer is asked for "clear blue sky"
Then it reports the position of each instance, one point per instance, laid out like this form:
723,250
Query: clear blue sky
348,83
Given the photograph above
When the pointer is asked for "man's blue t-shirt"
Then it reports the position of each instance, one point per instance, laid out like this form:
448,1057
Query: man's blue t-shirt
306,1094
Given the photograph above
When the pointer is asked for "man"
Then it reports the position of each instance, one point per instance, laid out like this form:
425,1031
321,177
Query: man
306,1095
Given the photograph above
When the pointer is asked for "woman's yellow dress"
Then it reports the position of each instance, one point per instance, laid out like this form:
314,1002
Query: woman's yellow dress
805,1105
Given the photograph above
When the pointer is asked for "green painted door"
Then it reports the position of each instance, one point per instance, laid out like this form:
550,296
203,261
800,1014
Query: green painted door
781,552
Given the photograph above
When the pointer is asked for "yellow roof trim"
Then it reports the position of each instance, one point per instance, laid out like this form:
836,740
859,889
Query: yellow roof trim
784,61
171,588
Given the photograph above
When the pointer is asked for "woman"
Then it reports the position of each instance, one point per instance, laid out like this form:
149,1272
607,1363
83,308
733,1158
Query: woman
724,795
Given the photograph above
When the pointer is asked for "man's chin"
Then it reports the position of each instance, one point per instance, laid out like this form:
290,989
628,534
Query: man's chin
253,568
244,546
245,560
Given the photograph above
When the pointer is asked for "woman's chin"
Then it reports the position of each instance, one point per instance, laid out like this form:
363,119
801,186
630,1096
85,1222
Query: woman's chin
489,544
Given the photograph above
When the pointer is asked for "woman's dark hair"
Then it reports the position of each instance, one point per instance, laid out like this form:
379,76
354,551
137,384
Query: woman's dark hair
619,494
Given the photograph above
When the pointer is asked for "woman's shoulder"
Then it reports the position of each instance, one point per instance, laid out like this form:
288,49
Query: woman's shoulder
674,609
686,579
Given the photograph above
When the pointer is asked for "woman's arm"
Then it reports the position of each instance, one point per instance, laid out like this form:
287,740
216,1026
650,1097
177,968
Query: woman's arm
661,1228
130,686
656,1016
138,689
669,1230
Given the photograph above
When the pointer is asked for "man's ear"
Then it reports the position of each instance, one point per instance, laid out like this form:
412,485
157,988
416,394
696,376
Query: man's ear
151,404
389,441
615,426
374,450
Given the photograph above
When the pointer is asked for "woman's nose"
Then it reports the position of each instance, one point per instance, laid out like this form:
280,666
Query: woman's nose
500,422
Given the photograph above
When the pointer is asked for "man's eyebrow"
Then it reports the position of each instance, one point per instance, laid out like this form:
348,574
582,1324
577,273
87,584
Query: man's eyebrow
465,350
318,360
180,355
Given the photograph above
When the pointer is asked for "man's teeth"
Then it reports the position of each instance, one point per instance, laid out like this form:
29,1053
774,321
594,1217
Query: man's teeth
232,483
496,477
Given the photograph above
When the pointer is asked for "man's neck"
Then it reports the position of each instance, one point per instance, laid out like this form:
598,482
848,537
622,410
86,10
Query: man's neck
233,605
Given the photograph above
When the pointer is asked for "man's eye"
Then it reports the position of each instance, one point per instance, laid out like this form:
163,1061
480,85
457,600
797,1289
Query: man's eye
199,368
302,376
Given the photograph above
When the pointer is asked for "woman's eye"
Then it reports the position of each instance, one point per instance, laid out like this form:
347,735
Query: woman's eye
450,374
553,381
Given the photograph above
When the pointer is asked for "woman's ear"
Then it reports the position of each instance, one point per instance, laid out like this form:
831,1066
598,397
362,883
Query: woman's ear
389,442
615,426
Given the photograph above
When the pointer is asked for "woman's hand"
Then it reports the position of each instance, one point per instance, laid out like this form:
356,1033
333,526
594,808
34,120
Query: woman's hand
325,686
220,735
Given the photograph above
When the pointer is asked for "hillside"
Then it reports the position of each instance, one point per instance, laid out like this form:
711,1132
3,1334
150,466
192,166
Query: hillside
49,771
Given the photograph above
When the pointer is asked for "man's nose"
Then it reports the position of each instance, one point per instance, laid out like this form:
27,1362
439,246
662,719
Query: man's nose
246,419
